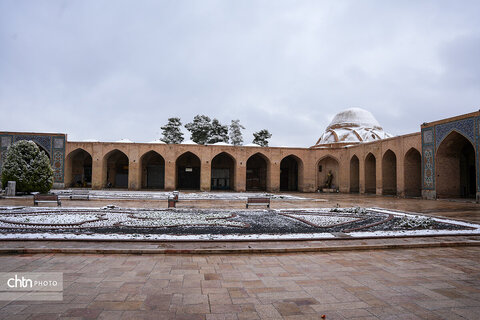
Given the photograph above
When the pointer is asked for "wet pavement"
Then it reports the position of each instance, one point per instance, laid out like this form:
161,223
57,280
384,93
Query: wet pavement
440,283
462,209
422,278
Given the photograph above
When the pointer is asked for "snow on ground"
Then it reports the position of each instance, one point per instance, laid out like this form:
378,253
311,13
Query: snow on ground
322,221
163,195
124,224
50,219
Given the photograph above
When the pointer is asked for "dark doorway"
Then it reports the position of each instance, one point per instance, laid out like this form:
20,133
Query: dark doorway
413,173
289,174
370,174
188,171
223,172
81,169
354,174
116,163
153,170
389,173
256,173
455,168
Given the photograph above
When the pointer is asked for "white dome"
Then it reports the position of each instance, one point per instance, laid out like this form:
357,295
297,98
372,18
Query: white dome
353,125
354,117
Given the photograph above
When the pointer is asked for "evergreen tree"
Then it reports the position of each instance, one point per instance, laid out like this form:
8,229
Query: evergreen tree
218,132
171,131
236,133
261,137
28,166
200,129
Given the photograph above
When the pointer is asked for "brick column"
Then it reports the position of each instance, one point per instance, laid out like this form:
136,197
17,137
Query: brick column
205,175
273,176
170,174
361,174
240,176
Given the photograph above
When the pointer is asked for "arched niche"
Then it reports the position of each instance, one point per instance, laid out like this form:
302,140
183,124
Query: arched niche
188,171
413,173
370,174
455,167
354,174
389,173
152,170
79,163
257,172
116,166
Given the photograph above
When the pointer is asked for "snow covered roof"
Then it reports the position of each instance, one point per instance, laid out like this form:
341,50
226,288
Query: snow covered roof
221,143
89,140
356,117
157,141
188,142
124,141
354,125
252,145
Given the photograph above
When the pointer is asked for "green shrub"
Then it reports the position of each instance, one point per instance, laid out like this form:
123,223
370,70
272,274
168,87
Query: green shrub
30,167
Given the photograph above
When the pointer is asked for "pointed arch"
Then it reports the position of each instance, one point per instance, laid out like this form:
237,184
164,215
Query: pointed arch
42,148
389,173
455,167
257,172
290,166
188,167
412,173
116,166
78,168
223,167
354,174
152,166
328,171
370,173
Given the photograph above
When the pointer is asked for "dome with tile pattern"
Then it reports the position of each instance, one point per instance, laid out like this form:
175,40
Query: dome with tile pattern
351,126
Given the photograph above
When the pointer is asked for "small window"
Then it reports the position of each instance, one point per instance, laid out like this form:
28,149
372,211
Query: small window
320,168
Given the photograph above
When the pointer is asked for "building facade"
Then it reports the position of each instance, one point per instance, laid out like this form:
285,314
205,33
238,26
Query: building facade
440,161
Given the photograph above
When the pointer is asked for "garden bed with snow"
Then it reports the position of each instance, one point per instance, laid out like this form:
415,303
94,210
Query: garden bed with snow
111,222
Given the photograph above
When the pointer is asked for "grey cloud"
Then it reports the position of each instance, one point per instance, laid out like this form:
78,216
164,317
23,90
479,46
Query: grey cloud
119,69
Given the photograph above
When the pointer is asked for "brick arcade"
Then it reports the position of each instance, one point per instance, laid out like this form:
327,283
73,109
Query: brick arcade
440,161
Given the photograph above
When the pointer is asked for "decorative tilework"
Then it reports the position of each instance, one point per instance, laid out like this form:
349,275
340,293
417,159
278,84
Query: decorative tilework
465,127
428,168
54,145
6,141
58,143
427,136
58,166
44,141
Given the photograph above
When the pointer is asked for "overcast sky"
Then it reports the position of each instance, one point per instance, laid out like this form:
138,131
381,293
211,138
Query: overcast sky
109,70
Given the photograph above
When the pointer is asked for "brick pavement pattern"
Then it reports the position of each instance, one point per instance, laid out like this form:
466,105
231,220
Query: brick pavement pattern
433,283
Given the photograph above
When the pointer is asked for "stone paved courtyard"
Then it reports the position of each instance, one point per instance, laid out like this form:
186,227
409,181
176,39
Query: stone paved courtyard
421,283
441,283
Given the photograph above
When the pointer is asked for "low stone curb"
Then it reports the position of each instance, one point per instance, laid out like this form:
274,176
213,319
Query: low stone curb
468,243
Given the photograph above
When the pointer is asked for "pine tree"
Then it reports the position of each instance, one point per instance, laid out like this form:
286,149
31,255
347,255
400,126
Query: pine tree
261,137
200,129
171,131
218,132
28,166
236,133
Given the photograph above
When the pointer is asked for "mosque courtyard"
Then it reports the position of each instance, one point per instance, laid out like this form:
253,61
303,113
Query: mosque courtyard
398,275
